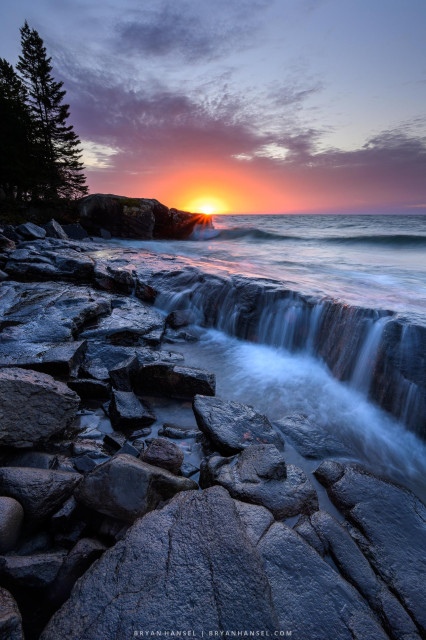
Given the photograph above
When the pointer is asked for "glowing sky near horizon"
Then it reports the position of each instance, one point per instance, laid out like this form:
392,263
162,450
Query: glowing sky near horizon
243,105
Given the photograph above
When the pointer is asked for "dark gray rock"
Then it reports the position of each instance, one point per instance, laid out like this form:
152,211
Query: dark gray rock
161,378
62,519
188,566
393,526
127,412
84,464
35,571
304,528
121,374
329,472
31,231
3,276
41,492
259,475
188,470
32,459
127,324
114,441
88,388
356,569
74,565
165,454
309,596
54,230
180,318
255,518
129,449
232,426
11,518
10,618
125,488
309,439
46,407
63,360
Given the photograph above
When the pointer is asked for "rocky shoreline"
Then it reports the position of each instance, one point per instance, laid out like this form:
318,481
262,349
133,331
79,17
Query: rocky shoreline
133,500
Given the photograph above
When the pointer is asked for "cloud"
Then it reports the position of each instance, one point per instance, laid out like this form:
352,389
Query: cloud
192,31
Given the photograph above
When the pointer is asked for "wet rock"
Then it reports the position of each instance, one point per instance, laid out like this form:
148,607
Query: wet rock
41,492
188,470
127,324
54,230
122,373
127,412
259,475
129,449
162,378
232,426
3,276
84,464
329,472
180,318
393,526
88,388
304,528
10,618
46,407
31,231
74,565
309,596
146,581
11,518
62,519
63,360
356,569
114,441
309,439
125,488
35,571
256,519
178,432
165,454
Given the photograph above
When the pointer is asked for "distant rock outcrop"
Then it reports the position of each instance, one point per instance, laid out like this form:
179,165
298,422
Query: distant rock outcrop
141,218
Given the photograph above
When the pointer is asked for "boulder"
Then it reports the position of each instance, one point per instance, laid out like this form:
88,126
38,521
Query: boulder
46,407
79,559
125,488
54,230
389,524
31,231
190,565
127,412
165,454
260,476
309,596
75,231
10,618
34,571
41,492
356,569
232,426
164,378
311,440
11,518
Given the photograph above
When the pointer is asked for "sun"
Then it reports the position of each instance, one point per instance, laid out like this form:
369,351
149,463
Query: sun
207,205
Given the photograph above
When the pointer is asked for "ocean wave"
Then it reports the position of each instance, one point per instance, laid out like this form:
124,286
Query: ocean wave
254,233
391,240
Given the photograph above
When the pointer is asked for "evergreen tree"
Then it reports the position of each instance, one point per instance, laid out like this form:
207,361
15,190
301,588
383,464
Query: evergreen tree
17,161
57,145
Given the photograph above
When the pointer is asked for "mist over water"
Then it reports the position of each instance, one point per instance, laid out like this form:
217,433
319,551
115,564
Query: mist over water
370,261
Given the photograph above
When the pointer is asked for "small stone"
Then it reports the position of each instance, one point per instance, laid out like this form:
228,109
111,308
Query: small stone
122,372
127,411
31,231
163,453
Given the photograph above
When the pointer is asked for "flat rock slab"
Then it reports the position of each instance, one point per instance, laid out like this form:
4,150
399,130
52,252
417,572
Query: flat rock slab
127,412
190,565
11,518
128,324
41,492
33,407
232,426
125,488
391,526
10,618
165,454
260,476
164,378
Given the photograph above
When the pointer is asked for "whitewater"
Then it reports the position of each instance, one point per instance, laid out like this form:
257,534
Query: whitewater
374,262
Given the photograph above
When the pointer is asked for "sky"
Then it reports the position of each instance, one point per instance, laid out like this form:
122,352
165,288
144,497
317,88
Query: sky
243,106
